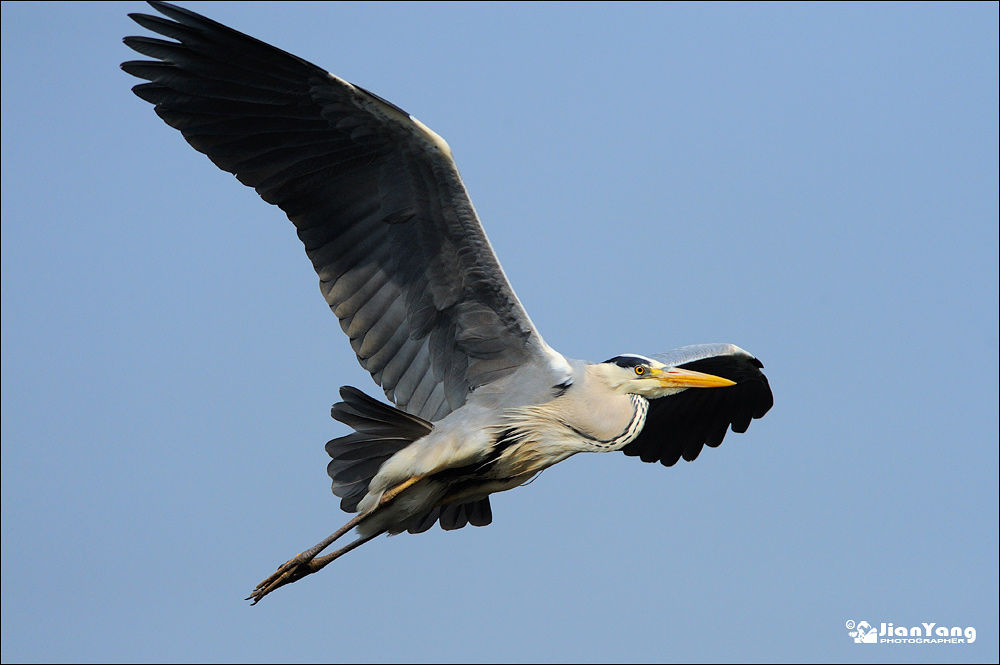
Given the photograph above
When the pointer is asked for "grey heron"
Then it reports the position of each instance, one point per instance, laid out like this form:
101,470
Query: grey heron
482,403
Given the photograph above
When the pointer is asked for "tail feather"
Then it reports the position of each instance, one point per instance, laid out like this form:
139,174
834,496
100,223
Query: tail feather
476,513
454,516
381,431
367,414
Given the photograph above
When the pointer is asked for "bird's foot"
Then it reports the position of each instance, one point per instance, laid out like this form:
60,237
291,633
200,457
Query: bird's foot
291,571
307,563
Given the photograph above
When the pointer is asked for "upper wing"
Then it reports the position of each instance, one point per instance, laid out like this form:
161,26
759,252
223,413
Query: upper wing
680,425
375,195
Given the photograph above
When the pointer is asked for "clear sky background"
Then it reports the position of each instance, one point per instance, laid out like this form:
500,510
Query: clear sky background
815,183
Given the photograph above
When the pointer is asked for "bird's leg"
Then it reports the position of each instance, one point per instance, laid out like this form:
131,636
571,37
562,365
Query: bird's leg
301,570
306,563
389,495
297,566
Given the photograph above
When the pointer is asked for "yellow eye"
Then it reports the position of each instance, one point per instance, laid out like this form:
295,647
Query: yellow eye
639,370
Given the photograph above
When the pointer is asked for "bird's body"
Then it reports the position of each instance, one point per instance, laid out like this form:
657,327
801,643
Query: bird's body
482,403
490,446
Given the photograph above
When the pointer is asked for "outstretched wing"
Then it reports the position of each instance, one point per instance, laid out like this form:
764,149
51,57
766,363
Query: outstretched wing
375,195
680,425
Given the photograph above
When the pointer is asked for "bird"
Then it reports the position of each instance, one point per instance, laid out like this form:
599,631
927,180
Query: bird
478,403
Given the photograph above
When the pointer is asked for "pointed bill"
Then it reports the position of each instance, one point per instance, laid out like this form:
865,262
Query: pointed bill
675,377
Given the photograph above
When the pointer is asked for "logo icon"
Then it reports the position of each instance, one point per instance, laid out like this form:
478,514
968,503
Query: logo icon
926,633
864,633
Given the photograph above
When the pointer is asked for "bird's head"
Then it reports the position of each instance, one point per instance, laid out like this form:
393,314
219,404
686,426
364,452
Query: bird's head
639,375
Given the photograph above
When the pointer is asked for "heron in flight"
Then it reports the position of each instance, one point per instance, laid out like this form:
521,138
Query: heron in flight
482,403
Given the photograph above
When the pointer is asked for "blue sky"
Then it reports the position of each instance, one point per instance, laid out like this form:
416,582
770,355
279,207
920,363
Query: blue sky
815,183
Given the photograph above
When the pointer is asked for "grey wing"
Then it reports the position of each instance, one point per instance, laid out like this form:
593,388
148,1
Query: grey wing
376,197
681,425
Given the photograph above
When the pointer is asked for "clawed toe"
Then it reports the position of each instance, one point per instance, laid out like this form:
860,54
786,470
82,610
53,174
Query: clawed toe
291,571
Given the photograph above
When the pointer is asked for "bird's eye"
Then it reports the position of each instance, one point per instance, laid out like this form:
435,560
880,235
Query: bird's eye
639,370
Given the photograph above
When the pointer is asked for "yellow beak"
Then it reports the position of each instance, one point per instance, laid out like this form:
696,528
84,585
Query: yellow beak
675,377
